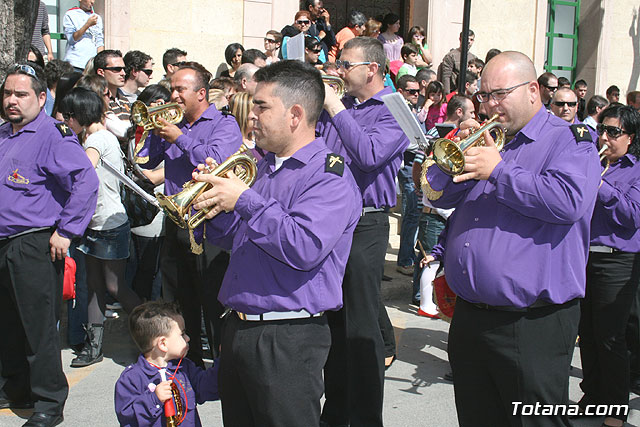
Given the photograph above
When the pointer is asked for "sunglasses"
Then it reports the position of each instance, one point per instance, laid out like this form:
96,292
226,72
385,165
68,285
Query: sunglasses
114,69
303,22
269,40
67,116
179,63
348,65
316,50
563,103
612,131
413,91
551,88
147,71
28,69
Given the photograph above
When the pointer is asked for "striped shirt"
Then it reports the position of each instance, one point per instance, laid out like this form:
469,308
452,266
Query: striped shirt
41,29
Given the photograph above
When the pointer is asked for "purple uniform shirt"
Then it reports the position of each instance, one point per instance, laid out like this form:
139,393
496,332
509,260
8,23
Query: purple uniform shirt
136,401
290,235
523,235
616,217
212,135
372,144
47,179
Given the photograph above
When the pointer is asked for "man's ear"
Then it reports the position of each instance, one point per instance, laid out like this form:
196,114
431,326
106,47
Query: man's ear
297,115
100,72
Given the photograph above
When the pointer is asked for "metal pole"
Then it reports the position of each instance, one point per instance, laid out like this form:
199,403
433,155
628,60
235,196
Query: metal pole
464,47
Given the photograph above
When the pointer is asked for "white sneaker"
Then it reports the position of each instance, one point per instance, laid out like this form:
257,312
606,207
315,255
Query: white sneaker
111,314
115,306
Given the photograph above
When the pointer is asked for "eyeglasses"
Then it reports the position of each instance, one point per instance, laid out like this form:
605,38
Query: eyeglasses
563,103
28,69
266,40
147,71
498,94
348,65
551,88
179,63
316,50
67,116
303,22
412,91
612,131
114,69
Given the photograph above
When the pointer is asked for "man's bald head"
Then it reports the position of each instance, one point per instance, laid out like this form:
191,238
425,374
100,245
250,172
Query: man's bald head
565,94
511,78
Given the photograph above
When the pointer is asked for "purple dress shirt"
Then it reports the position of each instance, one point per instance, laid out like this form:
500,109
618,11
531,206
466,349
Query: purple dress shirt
213,135
136,401
616,217
372,143
523,235
290,235
47,180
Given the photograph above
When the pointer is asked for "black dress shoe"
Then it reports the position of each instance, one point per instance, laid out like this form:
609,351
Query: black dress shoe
12,404
40,419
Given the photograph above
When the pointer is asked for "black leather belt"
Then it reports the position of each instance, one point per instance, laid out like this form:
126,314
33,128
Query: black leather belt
509,308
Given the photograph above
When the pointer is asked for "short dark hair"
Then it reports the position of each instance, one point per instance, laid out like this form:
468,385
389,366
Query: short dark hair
55,69
249,56
154,92
596,102
563,81
404,80
479,63
633,96
407,49
134,60
296,83
38,83
372,51
277,35
456,101
171,56
629,121
230,51
469,77
471,33
84,105
66,82
580,83
613,88
310,42
425,74
203,76
39,58
222,83
151,320
544,78
356,18
100,60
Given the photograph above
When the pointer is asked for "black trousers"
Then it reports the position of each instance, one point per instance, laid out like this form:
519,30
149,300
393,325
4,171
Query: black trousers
147,250
271,372
195,281
500,357
612,281
354,374
30,300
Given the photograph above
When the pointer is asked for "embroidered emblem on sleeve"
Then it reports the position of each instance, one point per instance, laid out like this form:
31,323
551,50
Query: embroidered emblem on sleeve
17,178
64,129
581,132
334,164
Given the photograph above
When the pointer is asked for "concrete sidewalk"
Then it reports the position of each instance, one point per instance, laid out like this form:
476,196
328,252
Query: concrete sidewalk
415,392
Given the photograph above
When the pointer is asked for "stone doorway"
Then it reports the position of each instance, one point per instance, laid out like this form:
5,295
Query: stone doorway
339,10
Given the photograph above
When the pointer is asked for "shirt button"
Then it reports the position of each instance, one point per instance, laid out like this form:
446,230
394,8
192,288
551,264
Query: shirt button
235,276
466,245
476,219
464,271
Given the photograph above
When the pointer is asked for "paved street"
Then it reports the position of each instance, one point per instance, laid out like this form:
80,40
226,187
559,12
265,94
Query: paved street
415,392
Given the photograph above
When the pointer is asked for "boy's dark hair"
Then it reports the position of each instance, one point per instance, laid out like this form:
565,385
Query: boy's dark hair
425,74
295,83
456,101
479,63
55,69
613,88
470,77
563,81
84,105
579,83
596,102
408,49
151,320
171,56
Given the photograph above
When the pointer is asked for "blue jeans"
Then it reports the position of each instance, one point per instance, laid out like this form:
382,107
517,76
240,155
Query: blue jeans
77,312
430,225
410,214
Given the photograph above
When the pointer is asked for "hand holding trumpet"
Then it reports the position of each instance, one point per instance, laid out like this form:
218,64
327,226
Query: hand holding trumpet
223,194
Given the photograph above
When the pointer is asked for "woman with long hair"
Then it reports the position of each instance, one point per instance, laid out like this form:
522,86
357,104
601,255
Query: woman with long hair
106,241
391,41
418,37
233,57
613,267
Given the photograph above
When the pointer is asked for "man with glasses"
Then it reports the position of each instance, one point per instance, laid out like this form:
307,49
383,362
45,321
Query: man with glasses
564,104
362,130
84,33
517,252
320,25
48,189
171,60
110,65
548,84
138,68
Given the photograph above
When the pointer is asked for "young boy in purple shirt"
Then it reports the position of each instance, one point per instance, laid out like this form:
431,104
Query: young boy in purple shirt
142,389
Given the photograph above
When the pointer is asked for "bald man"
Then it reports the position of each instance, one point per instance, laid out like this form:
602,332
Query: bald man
564,104
516,253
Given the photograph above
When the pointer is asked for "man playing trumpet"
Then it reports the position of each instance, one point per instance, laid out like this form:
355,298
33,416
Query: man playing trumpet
516,252
290,236
204,132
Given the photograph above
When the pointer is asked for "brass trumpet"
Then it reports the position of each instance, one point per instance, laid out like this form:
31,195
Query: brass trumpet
603,157
449,155
149,117
336,83
178,206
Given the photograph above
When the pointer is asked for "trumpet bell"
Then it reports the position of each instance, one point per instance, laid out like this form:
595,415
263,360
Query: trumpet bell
149,117
336,83
449,155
